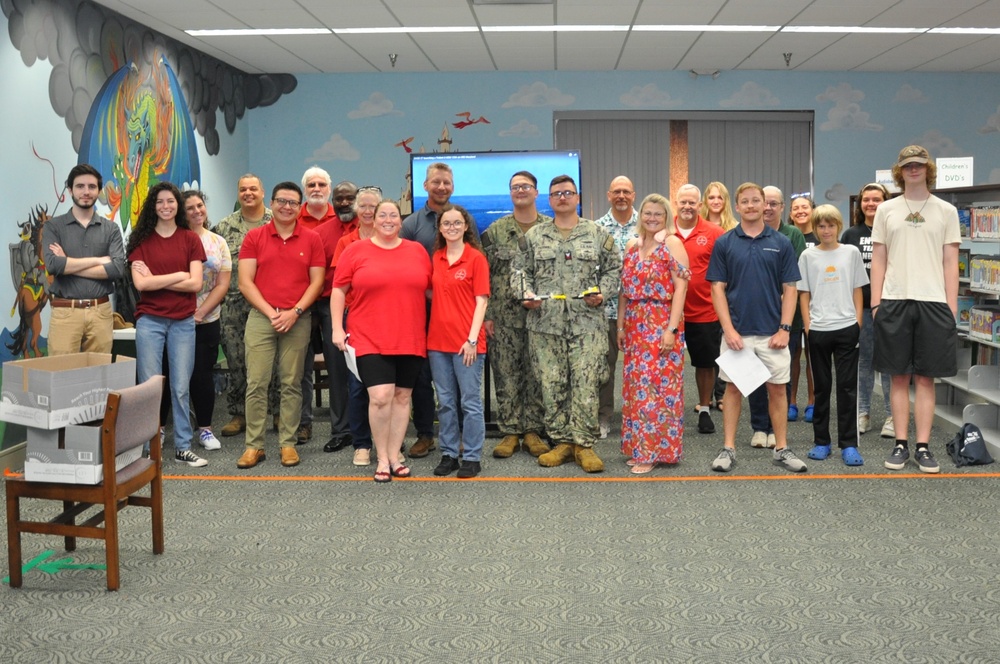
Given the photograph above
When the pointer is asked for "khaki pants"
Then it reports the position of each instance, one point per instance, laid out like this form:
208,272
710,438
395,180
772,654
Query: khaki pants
75,330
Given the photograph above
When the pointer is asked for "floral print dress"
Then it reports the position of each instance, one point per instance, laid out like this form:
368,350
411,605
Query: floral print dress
653,382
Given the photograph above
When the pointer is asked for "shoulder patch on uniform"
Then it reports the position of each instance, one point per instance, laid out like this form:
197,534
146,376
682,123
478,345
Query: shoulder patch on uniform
609,243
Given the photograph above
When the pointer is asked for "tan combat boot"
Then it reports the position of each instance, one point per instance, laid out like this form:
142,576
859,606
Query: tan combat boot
559,455
535,445
236,426
506,447
587,459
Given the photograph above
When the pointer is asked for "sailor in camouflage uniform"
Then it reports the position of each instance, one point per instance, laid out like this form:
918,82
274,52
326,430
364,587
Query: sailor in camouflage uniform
566,271
519,395
235,308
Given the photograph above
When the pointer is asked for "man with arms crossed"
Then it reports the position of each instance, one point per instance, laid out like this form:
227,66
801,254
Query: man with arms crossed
702,329
754,275
84,253
915,241
519,395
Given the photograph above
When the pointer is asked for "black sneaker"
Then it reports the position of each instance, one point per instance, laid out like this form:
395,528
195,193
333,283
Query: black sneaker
447,466
705,423
926,461
897,458
469,469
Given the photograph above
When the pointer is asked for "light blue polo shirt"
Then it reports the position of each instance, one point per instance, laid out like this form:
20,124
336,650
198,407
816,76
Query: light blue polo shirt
753,269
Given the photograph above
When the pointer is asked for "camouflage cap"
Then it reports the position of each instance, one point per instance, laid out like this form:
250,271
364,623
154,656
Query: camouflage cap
913,154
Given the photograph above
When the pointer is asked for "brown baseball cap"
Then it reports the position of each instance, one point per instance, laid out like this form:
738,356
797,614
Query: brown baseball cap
913,154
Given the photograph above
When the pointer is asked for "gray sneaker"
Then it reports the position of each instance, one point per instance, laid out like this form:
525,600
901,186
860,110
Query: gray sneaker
897,458
725,461
926,461
787,460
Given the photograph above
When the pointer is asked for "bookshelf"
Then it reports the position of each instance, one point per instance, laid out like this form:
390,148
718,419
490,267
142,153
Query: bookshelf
973,395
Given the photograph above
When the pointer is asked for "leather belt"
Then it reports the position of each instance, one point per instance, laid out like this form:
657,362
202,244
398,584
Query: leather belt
78,304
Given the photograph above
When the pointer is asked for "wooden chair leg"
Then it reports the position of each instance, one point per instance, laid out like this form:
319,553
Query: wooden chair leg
156,509
14,561
70,542
111,544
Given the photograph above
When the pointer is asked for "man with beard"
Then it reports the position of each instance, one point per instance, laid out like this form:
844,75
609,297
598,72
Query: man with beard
84,253
620,222
330,222
235,309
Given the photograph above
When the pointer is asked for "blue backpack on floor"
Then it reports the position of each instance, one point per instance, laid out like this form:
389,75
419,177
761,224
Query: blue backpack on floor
968,448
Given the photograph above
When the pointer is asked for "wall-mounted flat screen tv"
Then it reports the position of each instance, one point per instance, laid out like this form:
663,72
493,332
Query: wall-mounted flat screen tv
482,179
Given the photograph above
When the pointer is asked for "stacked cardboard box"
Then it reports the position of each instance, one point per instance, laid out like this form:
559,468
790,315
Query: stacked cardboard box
61,399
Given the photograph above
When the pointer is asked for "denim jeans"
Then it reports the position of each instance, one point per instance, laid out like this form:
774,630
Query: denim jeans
866,373
760,418
336,370
152,335
456,383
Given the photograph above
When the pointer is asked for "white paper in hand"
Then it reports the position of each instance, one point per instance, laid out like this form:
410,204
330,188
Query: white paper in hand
744,369
351,357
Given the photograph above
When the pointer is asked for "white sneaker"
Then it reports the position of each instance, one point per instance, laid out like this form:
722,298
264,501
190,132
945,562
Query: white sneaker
190,458
605,430
208,440
888,429
771,441
759,439
864,423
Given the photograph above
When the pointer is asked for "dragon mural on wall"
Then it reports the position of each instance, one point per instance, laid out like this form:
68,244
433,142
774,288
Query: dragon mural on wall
27,271
138,133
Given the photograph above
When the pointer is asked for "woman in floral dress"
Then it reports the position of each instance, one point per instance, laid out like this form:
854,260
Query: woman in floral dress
654,283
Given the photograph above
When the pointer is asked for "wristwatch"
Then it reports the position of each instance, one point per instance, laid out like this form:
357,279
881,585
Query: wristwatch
299,311
675,330
472,343
785,327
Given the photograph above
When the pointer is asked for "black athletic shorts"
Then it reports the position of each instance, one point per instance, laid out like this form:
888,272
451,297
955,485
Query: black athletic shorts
703,342
915,337
398,370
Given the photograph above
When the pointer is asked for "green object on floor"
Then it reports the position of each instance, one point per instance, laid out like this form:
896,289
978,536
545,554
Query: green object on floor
41,563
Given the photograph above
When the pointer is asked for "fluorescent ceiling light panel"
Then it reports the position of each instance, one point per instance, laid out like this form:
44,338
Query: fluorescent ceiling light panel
555,28
965,31
404,30
265,31
849,29
706,28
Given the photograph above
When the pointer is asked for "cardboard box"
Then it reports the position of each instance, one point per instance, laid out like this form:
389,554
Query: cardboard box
53,392
72,473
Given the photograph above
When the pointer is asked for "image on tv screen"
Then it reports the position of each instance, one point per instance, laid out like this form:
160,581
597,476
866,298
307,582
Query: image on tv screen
482,179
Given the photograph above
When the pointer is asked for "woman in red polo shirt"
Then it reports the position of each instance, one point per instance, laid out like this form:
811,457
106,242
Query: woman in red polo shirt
456,341
389,277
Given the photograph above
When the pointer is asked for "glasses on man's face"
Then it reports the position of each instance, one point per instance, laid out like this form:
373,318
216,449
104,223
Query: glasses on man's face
562,194
773,204
522,187
452,224
622,192
285,202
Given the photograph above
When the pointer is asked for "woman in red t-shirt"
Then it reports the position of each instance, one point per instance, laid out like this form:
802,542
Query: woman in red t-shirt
456,341
166,260
389,277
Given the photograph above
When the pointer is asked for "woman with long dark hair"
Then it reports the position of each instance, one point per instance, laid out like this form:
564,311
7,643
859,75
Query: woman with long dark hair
166,260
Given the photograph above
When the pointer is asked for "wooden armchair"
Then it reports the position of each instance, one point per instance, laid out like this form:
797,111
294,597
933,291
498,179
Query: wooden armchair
131,419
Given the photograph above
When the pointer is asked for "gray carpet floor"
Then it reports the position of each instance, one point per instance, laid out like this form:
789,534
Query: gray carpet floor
525,564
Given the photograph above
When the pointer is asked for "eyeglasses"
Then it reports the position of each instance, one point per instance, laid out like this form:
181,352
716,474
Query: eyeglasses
370,187
623,192
285,202
452,224
562,194
522,187
654,215
774,204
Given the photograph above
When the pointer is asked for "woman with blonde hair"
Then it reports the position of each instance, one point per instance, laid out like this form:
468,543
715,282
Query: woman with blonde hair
654,283
717,207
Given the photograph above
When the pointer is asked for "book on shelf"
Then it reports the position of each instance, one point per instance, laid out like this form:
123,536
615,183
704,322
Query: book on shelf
984,272
965,304
984,223
965,221
964,258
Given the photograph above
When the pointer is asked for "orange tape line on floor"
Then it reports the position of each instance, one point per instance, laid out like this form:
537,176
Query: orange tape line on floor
690,478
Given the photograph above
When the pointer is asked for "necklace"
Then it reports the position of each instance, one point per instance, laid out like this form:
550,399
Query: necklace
915,217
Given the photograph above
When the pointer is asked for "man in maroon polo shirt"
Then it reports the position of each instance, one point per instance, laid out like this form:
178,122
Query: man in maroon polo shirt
281,270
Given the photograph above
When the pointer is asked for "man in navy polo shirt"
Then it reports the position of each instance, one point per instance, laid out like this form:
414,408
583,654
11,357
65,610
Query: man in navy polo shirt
753,271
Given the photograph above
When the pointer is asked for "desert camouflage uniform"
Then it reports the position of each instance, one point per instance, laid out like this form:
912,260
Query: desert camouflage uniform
567,339
519,395
235,310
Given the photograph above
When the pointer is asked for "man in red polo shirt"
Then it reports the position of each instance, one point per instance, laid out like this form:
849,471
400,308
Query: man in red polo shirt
702,329
281,270
330,221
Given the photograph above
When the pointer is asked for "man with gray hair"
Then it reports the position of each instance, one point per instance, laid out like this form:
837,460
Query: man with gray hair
703,332
330,222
